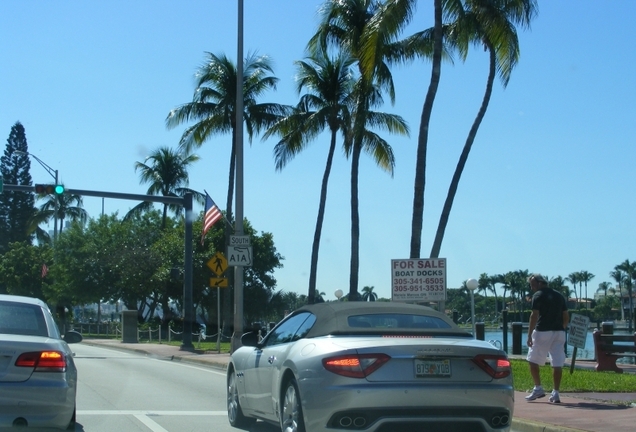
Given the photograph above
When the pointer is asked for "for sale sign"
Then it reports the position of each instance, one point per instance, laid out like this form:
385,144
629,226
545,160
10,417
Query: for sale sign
418,280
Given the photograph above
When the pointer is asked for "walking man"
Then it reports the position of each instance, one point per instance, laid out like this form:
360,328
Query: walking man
546,335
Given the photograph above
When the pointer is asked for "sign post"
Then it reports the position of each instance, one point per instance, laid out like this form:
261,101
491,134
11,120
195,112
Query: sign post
218,265
577,336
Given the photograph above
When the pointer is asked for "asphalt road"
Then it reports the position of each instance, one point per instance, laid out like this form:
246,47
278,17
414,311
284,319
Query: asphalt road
132,392
120,391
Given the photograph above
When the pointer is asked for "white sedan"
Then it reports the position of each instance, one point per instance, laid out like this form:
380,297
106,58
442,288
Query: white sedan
38,378
369,366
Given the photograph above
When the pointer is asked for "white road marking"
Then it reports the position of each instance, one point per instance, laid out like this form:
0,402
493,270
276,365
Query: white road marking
150,424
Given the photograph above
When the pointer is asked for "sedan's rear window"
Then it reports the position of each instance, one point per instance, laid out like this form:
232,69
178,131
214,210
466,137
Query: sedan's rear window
396,321
22,319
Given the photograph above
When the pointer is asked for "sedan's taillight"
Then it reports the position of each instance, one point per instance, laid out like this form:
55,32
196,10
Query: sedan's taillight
494,365
355,365
43,361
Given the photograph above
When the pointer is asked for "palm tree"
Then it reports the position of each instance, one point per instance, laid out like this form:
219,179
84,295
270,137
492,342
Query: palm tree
368,294
618,276
326,105
366,30
494,280
483,285
58,207
166,171
573,278
422,140
585,278
604,287
630,274
213,106
320,297
491,24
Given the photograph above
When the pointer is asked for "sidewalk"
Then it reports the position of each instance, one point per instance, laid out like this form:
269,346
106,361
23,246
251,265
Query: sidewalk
591,412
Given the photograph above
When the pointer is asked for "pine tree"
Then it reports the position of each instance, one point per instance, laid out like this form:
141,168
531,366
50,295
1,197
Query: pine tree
16,208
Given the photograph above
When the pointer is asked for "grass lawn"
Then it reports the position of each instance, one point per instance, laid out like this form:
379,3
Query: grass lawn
579,381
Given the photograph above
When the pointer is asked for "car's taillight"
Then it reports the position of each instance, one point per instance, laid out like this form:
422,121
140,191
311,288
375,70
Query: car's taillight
494,365
355,365
43,361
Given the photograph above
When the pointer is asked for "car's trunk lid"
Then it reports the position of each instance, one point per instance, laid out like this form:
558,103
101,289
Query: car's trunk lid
11,347
417,359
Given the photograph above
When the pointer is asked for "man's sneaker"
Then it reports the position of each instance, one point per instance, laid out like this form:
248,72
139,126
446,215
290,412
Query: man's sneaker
536,394
554,397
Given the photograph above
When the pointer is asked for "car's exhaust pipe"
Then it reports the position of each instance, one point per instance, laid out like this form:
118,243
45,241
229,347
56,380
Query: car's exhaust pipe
357,422
499,420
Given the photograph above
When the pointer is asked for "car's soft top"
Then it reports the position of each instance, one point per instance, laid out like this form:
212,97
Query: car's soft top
345,318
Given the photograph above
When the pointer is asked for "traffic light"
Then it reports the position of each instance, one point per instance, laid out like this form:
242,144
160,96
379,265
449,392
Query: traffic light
49,189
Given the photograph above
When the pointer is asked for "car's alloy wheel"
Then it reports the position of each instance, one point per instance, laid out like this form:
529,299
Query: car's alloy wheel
234,412
291,419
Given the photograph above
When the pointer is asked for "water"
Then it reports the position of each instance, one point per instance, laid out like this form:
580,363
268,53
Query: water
586,353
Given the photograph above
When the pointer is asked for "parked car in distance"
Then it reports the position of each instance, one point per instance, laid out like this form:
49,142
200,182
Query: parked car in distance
369,366
38,377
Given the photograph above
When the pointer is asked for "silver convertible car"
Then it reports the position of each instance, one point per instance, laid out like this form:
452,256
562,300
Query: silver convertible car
38,378
369,366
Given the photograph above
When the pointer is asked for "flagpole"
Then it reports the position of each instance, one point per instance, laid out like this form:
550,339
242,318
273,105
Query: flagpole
238,270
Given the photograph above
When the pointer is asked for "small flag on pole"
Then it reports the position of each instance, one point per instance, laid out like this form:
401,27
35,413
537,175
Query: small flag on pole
211,215
45,270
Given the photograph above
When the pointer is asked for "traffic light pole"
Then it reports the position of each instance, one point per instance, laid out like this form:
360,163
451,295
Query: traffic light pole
186,202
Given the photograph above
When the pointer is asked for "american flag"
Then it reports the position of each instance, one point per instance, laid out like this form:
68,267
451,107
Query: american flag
45,270
211,216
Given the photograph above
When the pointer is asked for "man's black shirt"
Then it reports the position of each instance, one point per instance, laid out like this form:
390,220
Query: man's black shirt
551,305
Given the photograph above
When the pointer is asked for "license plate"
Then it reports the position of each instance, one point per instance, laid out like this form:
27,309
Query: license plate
432,368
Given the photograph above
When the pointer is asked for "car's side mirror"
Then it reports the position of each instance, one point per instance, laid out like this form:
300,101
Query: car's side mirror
250,339
72,336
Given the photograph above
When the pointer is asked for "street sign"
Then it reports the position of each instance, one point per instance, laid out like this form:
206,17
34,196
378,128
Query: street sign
218,264
579,324
418,280
239,256
239,240
220,282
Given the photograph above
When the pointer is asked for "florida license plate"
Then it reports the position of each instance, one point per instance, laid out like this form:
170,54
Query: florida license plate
432,368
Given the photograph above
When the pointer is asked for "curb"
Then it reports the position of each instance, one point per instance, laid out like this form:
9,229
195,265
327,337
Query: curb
525,425
175,358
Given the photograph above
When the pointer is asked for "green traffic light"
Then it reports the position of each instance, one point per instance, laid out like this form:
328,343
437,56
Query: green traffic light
59,189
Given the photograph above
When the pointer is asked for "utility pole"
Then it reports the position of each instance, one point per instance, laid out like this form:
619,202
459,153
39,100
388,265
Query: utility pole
238,222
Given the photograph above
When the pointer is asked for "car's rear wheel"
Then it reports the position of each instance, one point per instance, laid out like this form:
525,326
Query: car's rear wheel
234,411
291,418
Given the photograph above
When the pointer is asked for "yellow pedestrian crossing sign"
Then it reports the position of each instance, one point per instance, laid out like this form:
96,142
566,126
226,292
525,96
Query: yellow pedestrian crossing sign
218,264
220,282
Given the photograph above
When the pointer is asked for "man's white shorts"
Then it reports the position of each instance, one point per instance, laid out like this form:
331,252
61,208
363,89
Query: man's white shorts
547,342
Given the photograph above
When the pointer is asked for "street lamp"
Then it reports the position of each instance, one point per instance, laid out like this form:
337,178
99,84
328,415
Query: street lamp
53,173
472,284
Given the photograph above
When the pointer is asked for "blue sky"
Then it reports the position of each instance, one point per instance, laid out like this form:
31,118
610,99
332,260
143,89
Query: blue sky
548,186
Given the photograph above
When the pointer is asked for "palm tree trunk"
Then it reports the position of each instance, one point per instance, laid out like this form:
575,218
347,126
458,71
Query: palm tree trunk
443,220
355,223
427,109
311,295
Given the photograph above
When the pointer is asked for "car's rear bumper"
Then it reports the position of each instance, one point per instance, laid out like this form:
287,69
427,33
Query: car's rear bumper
382,408
49,405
